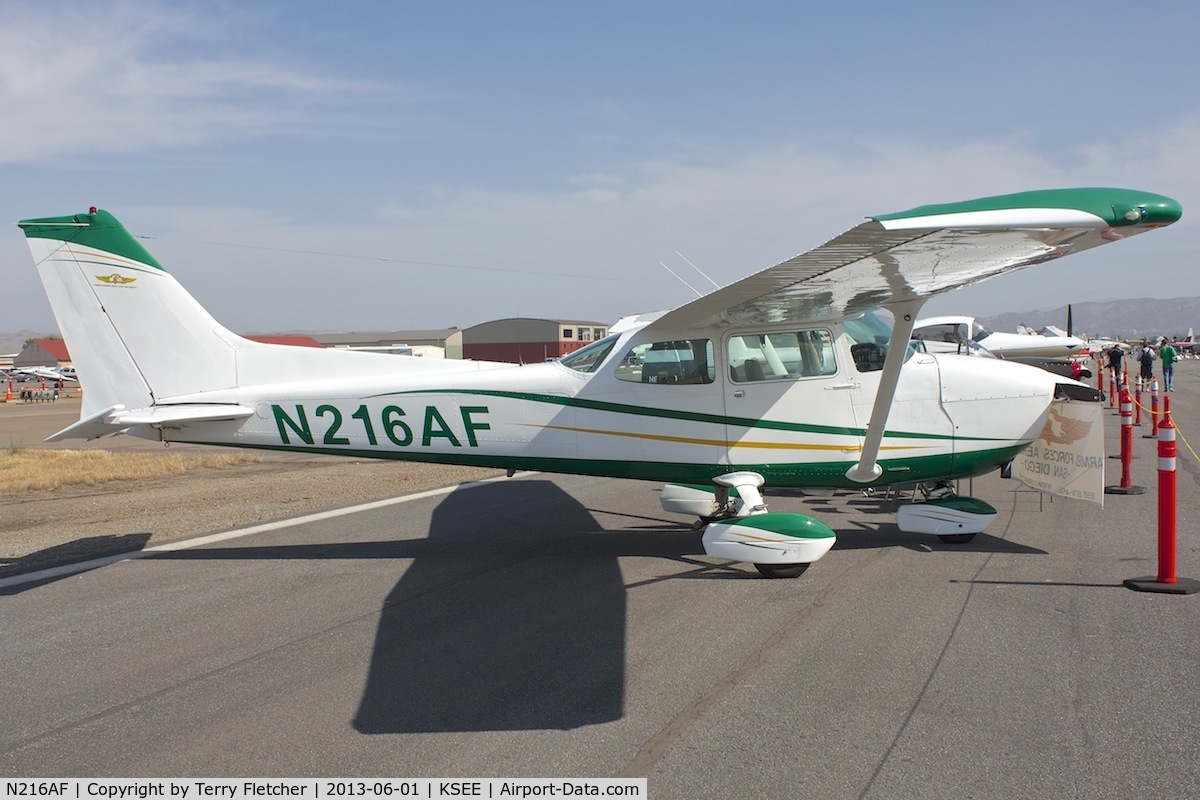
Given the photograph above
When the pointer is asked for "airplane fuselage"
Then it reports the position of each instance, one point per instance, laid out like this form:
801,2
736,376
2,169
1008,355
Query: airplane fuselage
790,404
949,334
783,378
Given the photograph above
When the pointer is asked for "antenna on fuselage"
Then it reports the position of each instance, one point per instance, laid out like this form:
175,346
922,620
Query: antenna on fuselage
681,280
693,266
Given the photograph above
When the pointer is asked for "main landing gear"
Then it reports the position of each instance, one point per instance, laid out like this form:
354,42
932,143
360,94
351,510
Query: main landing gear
737,525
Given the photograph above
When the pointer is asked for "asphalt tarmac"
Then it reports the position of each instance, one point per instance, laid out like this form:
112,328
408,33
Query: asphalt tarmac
547,626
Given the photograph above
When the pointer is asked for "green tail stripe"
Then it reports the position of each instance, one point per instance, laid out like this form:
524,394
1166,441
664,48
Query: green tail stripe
99,230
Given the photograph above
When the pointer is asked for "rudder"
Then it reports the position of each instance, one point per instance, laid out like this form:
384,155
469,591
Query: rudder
135,335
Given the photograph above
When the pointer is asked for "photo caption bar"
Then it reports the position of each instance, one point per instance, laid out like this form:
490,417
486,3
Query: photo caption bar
312,789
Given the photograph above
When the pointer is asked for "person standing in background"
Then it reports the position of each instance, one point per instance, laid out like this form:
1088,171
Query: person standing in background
1169,356
1115,354
1147,360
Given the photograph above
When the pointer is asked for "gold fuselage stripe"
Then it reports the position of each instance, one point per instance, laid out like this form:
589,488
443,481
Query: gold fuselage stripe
762,445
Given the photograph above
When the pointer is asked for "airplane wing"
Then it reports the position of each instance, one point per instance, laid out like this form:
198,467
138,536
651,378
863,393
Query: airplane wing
898,261
916,254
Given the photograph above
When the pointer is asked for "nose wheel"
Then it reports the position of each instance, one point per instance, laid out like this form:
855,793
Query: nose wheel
953,518
782,570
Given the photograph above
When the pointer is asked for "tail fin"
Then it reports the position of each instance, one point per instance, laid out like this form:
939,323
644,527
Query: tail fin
135,335
148,354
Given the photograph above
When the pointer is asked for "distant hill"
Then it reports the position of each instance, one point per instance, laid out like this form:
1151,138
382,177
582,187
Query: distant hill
1124,319
12,342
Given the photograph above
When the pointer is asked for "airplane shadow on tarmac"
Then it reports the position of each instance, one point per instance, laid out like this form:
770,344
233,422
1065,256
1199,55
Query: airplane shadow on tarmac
87,549
868,537
514,620
511,615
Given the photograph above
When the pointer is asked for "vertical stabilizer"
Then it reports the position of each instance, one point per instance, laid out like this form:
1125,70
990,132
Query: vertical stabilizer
135,335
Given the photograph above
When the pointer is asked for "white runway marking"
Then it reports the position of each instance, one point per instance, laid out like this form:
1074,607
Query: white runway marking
213,538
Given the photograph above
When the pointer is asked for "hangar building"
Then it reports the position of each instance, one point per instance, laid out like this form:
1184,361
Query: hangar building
43,353
54,353
524,340
438,343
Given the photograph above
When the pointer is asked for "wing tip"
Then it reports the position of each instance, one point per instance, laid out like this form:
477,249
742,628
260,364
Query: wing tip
1086,207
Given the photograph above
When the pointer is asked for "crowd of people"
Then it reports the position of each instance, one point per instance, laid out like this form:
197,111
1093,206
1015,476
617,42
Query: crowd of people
1144,357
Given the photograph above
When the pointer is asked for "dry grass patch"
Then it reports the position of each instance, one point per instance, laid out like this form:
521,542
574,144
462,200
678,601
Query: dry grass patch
25,470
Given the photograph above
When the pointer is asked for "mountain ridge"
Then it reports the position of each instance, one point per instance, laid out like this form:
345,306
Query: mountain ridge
1122,319
1135,318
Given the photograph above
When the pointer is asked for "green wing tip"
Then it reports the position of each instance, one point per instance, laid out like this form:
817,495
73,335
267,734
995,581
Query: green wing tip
1117,207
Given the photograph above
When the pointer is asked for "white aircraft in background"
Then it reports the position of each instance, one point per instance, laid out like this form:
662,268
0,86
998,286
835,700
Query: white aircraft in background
786,378
1187,345
1101,345
951,334
47,373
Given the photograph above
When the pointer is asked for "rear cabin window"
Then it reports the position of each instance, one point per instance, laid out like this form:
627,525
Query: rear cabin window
950,332
781,356
683,361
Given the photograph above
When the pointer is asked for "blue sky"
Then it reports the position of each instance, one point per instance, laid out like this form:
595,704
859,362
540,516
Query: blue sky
379,166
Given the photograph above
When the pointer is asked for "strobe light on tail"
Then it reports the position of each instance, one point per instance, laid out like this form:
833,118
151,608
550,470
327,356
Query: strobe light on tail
785,378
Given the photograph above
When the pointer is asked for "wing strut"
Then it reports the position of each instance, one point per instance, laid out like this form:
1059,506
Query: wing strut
867,469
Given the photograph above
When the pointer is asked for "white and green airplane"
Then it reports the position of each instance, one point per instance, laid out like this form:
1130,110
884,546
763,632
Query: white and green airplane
788,378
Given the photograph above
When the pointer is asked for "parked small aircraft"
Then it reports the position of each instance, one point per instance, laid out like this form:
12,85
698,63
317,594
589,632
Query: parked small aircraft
1187,345
949,334
47,373
1102,344
788,377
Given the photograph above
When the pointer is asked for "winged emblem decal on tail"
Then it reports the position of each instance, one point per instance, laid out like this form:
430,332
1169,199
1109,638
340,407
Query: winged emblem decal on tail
115,279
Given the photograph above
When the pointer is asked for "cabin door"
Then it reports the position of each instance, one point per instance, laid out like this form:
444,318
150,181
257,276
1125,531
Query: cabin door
787,405
916,410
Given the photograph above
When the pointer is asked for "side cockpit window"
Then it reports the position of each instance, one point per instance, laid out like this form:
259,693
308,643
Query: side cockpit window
687,361
781,356
869,336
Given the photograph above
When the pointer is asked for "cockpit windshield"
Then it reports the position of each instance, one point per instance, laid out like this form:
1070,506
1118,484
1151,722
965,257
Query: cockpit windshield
587,359
868,337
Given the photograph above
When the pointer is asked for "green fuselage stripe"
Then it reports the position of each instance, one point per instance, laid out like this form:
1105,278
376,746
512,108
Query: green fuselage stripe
689,416
831,473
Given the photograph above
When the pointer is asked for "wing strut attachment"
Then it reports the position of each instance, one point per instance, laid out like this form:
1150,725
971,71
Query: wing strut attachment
867,469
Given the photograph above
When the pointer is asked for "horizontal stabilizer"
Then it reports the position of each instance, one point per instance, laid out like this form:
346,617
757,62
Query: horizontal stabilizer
115,419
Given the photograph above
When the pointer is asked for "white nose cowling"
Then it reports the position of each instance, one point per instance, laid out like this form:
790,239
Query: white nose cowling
995,403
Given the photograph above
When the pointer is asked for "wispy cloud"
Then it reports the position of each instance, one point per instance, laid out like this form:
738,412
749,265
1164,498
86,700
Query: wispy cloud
129,79
604,239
